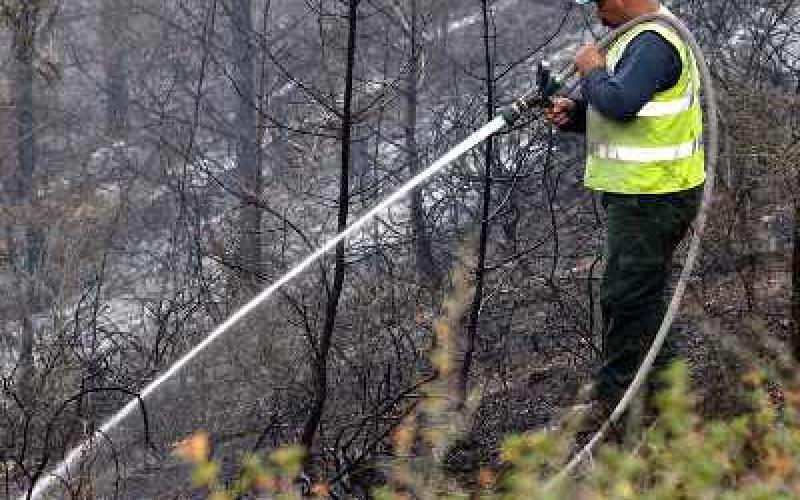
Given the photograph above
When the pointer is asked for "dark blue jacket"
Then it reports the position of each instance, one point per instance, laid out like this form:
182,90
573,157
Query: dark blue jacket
649,64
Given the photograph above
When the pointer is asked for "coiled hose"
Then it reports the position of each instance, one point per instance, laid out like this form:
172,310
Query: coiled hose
712,154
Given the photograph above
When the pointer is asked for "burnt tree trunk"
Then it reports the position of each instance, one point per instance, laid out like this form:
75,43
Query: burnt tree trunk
116,69
795,300
248,161
485,227
320,356
426,269
29,236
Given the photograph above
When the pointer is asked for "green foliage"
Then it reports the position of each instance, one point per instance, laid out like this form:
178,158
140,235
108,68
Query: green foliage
271,477
753,456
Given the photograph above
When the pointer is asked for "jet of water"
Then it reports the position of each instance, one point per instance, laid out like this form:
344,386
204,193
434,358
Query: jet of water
74,456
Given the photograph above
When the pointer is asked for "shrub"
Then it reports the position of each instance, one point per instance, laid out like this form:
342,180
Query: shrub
752,456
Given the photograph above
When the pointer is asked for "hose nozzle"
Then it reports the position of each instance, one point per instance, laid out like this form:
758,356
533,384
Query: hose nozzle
546,87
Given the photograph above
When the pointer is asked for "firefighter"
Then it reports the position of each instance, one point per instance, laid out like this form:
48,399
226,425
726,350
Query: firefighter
641,115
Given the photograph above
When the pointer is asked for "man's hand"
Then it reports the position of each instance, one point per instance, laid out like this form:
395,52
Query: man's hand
588,58
558,114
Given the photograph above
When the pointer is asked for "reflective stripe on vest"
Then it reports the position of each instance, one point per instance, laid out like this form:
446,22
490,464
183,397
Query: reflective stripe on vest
646,155
658,151
667,108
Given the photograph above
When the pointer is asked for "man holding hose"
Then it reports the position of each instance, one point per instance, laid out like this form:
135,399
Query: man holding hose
641,114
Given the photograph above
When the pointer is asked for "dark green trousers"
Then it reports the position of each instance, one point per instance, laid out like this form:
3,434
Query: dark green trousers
643,232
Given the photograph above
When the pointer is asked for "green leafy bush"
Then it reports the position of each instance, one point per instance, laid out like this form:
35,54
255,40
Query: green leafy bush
753,456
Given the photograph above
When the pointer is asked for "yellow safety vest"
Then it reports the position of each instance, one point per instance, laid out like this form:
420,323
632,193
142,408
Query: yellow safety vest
661,149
